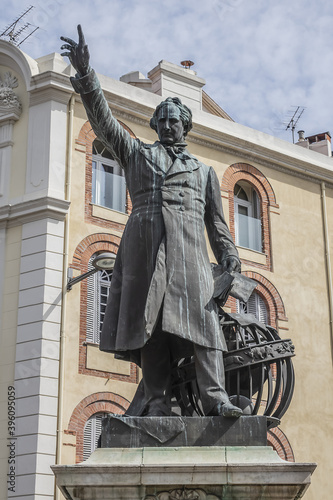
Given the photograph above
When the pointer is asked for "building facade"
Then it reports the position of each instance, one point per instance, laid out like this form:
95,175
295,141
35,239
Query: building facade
63,200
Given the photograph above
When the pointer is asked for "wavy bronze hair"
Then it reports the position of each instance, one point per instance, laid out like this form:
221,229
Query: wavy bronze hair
185,114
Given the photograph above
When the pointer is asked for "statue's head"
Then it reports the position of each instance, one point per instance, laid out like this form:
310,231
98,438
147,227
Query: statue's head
172,120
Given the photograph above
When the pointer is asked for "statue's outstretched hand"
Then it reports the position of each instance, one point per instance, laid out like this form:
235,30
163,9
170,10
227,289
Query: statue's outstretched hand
78,53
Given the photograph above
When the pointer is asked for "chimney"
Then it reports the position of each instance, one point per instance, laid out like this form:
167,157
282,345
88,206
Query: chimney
177,81
321,143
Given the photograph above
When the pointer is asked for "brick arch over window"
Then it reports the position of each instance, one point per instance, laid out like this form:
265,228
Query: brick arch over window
280,443
100,402
99,242
87,134
270,295
245,172
86,138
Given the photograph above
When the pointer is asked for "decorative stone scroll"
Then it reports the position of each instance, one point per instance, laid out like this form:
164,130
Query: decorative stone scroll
182,494
8,99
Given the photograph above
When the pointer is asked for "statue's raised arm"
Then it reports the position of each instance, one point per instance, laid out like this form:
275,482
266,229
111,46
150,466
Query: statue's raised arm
78,53
116,139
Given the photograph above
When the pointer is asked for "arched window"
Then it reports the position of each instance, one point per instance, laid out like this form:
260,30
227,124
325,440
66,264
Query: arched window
108,181
251,202
247,216
256,306
86,419
98,287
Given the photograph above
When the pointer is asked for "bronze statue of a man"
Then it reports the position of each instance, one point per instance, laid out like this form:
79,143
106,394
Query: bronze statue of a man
160,305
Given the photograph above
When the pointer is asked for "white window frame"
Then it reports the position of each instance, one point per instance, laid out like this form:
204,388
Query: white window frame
107,172
254,241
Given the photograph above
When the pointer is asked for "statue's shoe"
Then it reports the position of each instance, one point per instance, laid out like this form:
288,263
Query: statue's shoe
227,410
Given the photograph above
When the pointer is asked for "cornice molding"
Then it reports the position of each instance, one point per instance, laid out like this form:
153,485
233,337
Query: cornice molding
242,148
5,144
50,86
127,116
9,116
231,138
32,210
258,154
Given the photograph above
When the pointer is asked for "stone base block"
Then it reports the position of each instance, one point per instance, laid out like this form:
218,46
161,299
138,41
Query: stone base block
184,473
136,432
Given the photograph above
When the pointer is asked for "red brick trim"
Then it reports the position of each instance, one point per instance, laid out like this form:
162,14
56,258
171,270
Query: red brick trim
280,443
245,172
98,242
101,241
86,134
100,402
86,138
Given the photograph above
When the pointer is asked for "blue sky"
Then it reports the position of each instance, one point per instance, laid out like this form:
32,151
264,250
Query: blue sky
260,58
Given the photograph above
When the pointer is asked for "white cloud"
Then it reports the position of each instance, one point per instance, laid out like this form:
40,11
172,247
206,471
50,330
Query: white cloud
259,57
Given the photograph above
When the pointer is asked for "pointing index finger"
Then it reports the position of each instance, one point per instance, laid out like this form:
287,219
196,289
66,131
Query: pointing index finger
81,35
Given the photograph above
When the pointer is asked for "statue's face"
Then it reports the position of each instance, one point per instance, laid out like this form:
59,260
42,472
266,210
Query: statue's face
170,127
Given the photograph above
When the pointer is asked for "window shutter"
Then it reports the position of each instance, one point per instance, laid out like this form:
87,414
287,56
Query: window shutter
87,440
104,283
92,432
251,306
262,310
92,304
98,289
98,429
256,306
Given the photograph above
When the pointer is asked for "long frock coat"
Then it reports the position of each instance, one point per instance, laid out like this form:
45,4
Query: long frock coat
162,264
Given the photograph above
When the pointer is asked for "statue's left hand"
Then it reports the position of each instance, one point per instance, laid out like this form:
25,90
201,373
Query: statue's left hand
78,53
231,264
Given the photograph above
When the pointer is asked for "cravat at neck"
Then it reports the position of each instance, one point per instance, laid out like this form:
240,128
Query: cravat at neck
176,149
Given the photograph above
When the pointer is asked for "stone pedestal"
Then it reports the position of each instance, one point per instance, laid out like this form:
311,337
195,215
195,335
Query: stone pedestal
139,432
187,473
184,458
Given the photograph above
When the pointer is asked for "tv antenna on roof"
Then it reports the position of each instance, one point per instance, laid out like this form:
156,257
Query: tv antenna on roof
14,31
294,119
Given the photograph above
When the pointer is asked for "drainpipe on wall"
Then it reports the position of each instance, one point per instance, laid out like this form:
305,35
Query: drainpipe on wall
64,286
328,261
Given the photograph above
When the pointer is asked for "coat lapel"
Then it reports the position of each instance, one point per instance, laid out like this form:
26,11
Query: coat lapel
183,165
156,156
161,160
